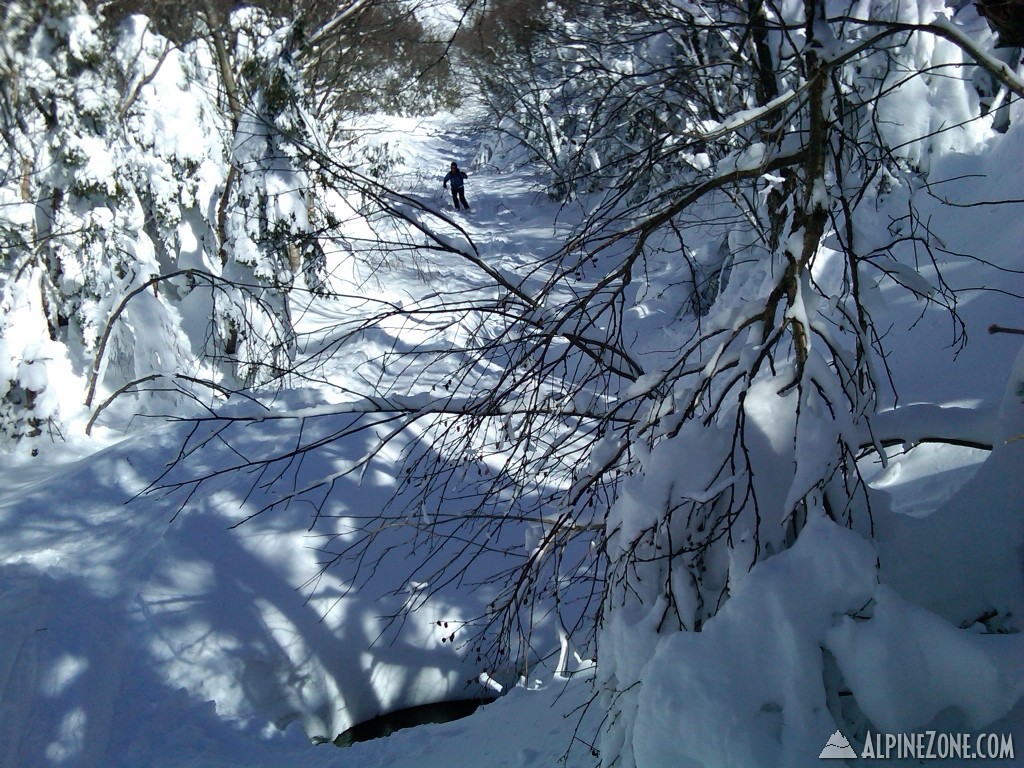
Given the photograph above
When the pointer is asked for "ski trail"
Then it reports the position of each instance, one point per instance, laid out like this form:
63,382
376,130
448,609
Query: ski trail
20,616
426,297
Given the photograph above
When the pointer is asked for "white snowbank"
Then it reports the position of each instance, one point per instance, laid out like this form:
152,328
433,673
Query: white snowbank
748,690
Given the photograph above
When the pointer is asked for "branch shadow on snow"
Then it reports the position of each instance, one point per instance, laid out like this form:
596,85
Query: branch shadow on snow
127,630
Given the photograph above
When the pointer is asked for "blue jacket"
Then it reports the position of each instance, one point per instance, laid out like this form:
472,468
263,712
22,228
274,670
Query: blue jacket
457,178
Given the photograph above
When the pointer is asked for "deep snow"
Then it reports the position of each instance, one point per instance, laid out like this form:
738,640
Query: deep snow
141,630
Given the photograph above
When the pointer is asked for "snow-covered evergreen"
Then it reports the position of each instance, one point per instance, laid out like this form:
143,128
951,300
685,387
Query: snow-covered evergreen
120,157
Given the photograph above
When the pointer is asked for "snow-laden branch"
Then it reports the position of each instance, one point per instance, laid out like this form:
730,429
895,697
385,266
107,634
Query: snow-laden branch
331,27
747,117
198,274
974,427
940,28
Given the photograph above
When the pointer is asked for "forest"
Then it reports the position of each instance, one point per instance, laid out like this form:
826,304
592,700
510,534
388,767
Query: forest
708,413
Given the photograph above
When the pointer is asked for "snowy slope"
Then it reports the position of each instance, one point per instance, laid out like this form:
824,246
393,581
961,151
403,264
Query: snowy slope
144,629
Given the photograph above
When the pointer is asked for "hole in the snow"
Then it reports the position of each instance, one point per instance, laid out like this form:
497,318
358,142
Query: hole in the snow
385,725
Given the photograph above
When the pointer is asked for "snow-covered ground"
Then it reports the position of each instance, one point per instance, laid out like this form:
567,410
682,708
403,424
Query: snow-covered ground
141,628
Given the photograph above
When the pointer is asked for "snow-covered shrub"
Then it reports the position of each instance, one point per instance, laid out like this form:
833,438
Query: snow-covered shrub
84,246
756,423
760,176
154,227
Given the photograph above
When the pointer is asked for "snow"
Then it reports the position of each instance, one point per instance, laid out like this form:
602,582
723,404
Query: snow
145,624
727,704
154,632
14,211
135,634
888,662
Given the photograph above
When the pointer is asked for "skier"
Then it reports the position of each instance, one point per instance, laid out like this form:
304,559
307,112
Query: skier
457,178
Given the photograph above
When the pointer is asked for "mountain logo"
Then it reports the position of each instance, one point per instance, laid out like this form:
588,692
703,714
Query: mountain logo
837,748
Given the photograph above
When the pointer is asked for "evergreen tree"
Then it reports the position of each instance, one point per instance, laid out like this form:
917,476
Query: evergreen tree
127,221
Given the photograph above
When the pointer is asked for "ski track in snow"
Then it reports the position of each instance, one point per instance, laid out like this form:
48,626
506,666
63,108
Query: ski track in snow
132,640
